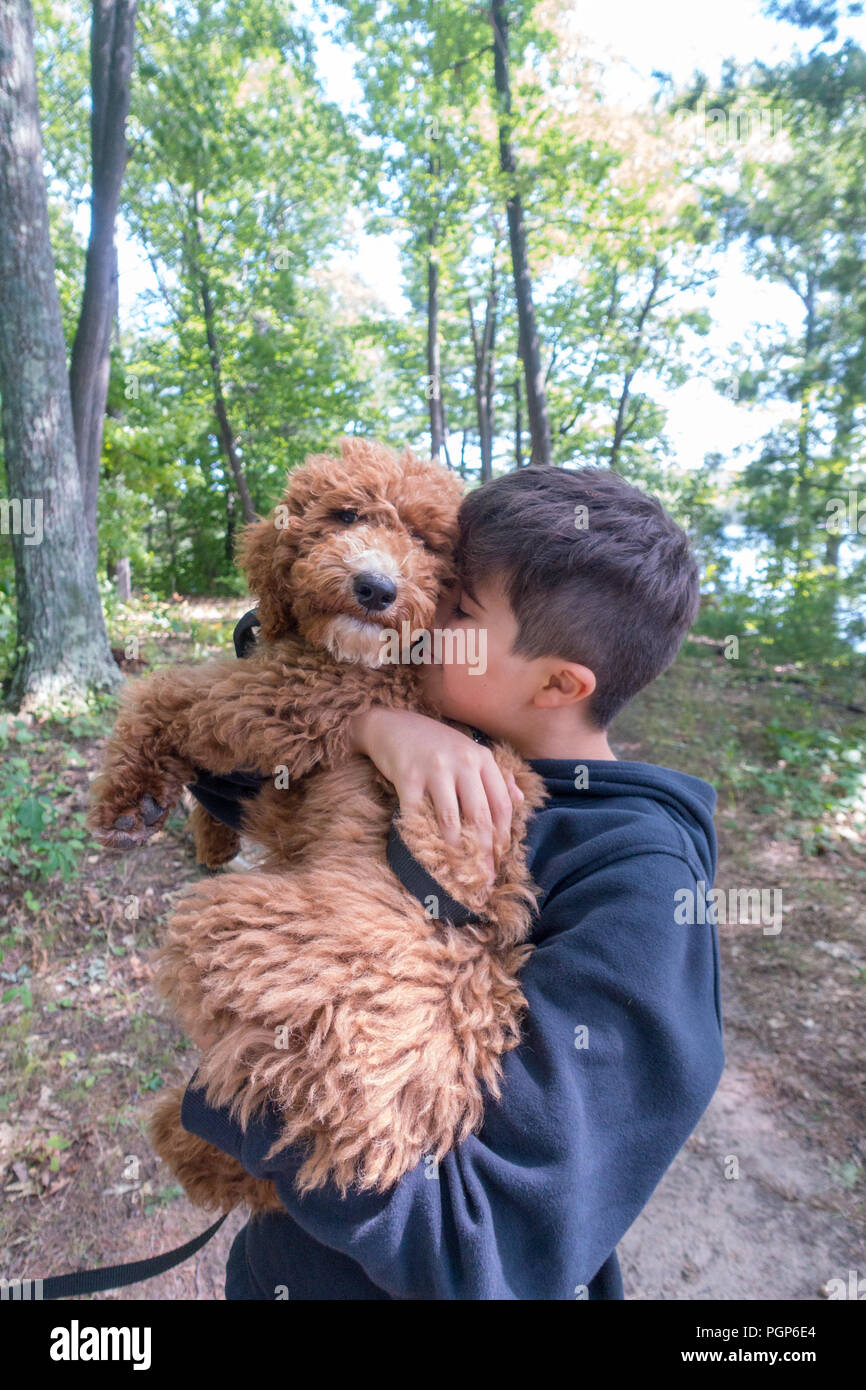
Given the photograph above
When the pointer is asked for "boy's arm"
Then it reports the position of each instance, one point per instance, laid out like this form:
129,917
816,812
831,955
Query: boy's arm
622,1052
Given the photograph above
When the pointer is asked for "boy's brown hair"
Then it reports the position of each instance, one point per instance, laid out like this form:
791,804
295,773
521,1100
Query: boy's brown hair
594,570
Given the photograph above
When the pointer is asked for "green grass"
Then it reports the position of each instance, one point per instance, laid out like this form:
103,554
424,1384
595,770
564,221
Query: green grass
773,748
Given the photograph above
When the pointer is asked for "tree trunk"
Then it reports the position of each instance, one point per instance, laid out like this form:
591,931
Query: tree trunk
231,526
436,405
172,550
518,425
803,528
842,454
434,378
634,359
482,349
123,579
62,644
619,425
112,40
536,396
225,432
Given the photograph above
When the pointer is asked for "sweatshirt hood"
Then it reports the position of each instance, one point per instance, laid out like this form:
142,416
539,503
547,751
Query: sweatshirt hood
629,808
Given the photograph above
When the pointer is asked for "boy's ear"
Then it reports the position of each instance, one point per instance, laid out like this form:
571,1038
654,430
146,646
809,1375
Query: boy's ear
566,683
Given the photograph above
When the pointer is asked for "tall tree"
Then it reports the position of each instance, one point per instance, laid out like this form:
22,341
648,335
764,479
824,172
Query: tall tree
536,394
228,442
112,40
434,353
484,375
62,647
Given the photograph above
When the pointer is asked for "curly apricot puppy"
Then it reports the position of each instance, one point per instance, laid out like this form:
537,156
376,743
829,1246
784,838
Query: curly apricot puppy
360,544
317,983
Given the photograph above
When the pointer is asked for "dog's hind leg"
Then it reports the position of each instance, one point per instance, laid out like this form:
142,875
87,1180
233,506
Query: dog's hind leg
215,843
210,1178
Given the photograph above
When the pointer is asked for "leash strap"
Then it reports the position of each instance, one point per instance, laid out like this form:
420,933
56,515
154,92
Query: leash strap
244,634
422,885
118,1276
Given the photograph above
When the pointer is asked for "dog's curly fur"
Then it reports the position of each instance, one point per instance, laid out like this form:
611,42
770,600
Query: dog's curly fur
317,983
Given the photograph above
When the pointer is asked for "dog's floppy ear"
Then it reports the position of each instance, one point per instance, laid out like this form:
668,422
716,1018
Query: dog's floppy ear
267,550
266,553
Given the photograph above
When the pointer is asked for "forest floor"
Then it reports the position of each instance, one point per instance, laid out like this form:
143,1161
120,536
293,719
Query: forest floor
767,1200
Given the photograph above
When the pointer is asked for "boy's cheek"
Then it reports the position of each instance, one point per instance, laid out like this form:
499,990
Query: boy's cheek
460,691
439,686
432,684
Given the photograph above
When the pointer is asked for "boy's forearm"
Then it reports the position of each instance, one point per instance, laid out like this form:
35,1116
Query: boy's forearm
358,730
365,731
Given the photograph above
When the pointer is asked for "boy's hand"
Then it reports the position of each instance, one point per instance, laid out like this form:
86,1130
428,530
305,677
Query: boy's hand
422,757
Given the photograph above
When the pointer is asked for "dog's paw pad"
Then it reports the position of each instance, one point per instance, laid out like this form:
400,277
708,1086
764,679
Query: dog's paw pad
150,811
124,822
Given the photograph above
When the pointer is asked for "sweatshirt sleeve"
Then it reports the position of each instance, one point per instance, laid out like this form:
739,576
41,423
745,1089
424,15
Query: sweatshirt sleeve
621,1053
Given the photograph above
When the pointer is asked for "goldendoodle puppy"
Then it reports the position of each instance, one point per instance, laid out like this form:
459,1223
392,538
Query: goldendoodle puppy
360,544
318,983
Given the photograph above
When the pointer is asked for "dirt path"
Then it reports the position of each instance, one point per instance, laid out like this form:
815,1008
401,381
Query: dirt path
780,1229
788,1116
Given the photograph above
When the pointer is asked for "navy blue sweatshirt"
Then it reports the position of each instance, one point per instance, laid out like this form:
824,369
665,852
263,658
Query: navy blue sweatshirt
621,1053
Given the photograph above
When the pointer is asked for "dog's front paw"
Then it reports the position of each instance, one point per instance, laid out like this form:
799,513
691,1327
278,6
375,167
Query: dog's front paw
131,826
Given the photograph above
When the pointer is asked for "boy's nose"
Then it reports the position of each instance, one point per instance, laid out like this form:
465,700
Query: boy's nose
374,591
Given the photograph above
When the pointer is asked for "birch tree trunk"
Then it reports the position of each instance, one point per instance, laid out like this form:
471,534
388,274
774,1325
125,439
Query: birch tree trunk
434,359
483,376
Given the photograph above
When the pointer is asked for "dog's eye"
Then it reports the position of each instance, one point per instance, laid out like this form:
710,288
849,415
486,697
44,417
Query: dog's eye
416,536
347,516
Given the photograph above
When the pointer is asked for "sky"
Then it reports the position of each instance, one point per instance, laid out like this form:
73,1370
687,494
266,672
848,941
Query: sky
636,38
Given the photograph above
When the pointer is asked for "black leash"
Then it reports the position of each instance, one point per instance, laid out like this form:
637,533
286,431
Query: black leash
118,1276
244,634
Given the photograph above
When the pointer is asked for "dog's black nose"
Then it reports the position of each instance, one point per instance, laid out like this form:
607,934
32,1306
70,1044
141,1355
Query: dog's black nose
374,591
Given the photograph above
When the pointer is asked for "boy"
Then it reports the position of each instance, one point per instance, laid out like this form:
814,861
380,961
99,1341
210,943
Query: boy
586,589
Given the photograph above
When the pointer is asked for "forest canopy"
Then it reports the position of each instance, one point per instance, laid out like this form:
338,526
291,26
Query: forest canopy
248,328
